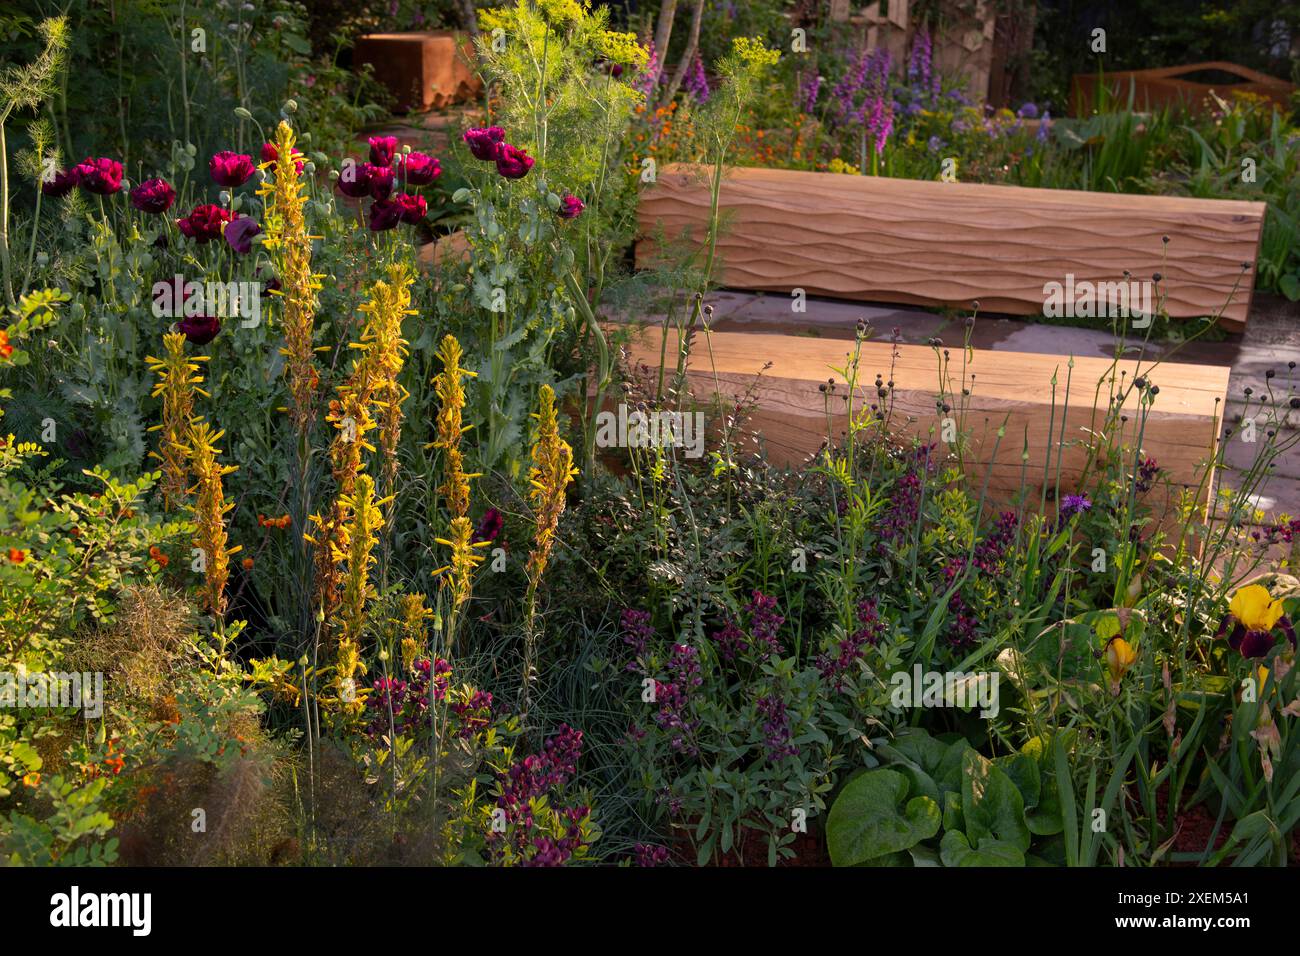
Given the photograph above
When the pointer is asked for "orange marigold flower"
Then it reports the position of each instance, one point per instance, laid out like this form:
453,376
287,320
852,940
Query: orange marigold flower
31,779
17,555
6,349
248,564
158,556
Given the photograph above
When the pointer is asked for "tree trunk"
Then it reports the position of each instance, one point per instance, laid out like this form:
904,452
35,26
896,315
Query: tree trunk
664,28
692,44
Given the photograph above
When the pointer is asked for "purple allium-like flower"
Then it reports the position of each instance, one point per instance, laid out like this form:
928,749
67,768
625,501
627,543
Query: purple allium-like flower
62,183
154,196
240,232
513,162
230,169
382,150
483,141
102,176
419,169
571,207
1074,504
1028,111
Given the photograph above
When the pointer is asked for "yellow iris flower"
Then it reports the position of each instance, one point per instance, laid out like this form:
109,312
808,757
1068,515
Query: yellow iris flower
1255,608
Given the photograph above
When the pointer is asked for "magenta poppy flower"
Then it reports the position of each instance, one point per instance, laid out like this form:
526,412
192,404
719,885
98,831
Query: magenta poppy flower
101,176
571,207
413,207
230,169
62,183
240,232
354,180
205,223
513,162
271,154
199,329
381,180
154,196
483,141
490,526
382,149
419,169
385,214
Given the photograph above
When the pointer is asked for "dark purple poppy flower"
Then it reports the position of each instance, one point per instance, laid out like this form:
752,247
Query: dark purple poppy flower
154,196
419,169
489,526
381,180
384,214
571,207
200,329
483,141
414,208
382,149
354,180
240,233
205,223
62,183
270,285
513,162
230,169
101,176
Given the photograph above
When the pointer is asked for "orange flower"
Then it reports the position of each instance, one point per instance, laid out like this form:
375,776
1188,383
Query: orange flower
158,556
248,564
17,555
6,349
31,779
280,522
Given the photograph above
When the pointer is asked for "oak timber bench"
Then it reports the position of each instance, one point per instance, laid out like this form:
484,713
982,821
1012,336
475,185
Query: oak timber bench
1013,391
939,244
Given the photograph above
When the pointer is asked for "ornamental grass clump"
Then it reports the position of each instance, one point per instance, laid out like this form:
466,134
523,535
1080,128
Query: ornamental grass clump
178,382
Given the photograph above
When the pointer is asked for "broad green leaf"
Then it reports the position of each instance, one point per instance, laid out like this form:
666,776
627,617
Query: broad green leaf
869,819
991,804
955,850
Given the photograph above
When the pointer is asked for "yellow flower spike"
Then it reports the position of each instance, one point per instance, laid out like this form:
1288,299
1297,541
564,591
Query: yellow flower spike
450,425
178,383
459,573
289,244
1120,656
209,509
1255,608
551,474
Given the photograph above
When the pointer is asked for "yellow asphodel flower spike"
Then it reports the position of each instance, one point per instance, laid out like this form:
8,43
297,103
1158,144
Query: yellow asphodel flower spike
1120,656
1255,608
